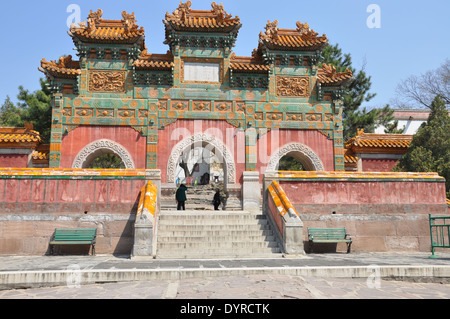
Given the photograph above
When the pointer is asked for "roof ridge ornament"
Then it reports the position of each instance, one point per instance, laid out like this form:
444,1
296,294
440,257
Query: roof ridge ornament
219,11
65,62
303,28
94,19
329,70
272,29
183,10
129,21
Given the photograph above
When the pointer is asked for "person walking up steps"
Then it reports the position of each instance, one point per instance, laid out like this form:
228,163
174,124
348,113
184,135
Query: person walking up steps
181,197
217,200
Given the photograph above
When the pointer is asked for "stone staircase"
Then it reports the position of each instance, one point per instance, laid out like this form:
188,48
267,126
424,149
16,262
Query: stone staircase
200,197
212,235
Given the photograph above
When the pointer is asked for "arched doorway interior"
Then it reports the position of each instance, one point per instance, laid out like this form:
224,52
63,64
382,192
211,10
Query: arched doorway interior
216,151
100,148
301,153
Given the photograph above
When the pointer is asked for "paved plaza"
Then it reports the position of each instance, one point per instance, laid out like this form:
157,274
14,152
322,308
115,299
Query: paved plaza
316,276
243,287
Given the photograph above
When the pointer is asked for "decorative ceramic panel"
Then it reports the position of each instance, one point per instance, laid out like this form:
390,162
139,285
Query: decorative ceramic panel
293,86
107,81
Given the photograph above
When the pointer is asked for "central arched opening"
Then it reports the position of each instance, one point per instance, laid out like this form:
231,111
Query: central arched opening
200,165
198,155
205,165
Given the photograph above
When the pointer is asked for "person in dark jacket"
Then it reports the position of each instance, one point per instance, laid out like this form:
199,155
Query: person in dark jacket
217,200
181,197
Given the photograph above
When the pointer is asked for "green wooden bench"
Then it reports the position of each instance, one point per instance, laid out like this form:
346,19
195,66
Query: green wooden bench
329,235
74,237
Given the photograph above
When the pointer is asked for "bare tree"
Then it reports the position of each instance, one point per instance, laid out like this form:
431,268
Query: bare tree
420,91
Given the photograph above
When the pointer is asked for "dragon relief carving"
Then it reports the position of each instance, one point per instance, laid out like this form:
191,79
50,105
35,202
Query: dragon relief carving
107,81
293,86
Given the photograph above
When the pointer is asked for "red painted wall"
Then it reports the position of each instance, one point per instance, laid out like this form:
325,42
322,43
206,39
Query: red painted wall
31,209
378,165
315,140
13,160
61,196
379,215
367,197
82,136
267,145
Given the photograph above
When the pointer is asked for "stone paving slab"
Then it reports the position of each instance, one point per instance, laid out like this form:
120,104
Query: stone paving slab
253,287
51,271
43,263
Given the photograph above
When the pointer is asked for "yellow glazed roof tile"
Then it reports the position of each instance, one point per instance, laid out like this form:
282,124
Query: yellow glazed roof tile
379,143
111,31
215,20
302,38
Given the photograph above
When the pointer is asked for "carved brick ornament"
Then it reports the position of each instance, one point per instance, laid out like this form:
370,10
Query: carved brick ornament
293,86
107,81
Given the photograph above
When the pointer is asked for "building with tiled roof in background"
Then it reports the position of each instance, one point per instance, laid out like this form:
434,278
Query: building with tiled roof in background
409,120
18,147
381,151
371,152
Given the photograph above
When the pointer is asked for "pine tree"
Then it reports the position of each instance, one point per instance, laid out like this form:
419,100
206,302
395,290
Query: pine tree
32,107
10,114
38,108
430,147
354,117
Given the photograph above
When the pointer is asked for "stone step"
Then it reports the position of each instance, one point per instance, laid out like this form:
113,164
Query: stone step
211,214
194,228
210,222
216,245
200,234
221,254
214,233
209,239
212,217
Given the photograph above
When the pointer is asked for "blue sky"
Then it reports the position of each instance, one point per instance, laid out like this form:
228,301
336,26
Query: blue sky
413,36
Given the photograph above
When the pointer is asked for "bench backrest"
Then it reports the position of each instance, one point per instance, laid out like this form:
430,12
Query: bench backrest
75,234
327,233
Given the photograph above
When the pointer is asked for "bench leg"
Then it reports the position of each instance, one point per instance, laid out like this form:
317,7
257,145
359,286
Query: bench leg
349,245
310,247
93,250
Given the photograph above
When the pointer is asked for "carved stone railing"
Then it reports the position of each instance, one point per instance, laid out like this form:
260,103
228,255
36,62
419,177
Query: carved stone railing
145,229
282,214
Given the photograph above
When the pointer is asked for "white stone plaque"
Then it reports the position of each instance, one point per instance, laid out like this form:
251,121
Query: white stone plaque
201,72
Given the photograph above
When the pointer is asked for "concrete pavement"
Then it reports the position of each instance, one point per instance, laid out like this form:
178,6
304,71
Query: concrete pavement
339,275
244,288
